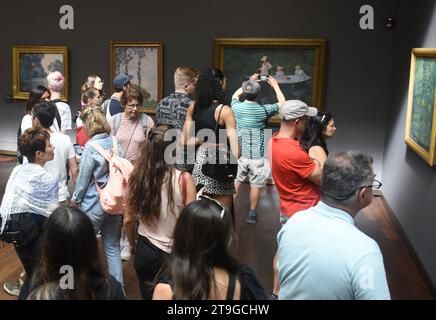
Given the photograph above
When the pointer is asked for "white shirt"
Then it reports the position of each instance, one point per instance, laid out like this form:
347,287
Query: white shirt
30,188
65,113
63,151
26,123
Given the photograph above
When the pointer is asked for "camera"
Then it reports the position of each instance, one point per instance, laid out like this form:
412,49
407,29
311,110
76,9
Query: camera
263,78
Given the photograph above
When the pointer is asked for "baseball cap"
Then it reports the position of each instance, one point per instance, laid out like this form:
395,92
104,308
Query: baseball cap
294,109
120,80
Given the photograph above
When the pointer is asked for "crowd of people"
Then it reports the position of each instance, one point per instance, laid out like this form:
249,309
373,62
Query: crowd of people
159,190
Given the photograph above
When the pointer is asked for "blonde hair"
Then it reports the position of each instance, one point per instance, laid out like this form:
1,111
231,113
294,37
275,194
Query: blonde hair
55,81
94,120
184,75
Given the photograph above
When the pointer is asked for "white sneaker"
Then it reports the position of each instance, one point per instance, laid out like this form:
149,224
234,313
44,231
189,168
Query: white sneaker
125,253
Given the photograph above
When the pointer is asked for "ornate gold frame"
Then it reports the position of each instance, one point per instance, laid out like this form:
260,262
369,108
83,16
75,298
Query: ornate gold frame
150,44
17,91
428,156
319,45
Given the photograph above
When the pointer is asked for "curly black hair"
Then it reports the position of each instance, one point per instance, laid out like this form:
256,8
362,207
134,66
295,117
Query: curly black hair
209,88
313,135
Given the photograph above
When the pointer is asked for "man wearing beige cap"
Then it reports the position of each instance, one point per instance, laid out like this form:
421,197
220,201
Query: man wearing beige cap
296,175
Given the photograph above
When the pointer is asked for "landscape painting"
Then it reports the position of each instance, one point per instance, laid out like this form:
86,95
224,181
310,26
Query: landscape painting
421,116
31,65
297,65
143,61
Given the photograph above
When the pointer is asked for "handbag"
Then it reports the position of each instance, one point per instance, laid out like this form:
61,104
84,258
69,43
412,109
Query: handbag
22,228
220,163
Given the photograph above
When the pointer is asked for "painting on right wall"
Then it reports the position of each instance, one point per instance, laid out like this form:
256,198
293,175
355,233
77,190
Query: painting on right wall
421,114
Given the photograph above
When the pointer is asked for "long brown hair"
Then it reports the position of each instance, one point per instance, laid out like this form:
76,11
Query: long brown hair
150,174
69,240
203,240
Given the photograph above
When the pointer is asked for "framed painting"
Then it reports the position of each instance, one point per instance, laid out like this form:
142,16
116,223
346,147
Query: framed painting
31,66
297,64
143,61
421,115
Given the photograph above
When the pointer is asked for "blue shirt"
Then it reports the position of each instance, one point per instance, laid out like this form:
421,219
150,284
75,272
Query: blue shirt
250,123
93,167
323,256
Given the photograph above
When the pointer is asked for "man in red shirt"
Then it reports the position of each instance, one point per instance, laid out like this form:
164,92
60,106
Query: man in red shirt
296,175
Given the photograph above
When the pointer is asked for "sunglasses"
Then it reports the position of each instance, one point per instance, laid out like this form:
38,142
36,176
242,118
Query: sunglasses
223,210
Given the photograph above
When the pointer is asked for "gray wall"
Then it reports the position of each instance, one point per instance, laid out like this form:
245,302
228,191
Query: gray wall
358,64
409,183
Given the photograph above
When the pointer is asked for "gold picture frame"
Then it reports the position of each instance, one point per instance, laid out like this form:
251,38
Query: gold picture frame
301,63
143,60
420,133
32,64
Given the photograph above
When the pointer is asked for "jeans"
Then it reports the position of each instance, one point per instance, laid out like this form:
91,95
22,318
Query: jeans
149,261
110,228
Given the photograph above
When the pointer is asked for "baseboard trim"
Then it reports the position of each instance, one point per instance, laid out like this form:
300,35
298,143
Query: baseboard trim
409,246
8,153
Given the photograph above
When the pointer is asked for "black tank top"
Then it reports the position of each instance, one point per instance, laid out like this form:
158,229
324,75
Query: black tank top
205,118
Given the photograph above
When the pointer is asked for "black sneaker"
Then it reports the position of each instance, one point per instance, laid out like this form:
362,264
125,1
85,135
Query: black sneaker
252,217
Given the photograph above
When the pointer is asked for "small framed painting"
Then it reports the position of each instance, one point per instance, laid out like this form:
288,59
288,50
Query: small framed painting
143,61
31,66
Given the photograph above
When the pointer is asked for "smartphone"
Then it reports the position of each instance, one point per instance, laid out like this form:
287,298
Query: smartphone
263,78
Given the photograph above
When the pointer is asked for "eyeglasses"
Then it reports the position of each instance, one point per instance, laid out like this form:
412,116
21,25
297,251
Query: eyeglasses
133,106
223,210
375,185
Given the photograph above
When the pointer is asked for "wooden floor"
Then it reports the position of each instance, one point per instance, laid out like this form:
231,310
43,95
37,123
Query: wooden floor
257,245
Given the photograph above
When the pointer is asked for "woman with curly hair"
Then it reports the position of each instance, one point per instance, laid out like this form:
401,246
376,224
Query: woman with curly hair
320,128
210,111
157,194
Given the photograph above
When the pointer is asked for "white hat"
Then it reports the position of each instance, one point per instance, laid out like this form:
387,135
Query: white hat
264,58
294,109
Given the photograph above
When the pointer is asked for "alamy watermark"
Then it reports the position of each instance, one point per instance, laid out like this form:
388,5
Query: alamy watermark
180,152
67,280
66,22
367,20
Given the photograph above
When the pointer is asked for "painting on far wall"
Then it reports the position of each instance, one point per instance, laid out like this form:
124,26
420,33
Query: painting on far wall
421,115
298,65
31,66
143,61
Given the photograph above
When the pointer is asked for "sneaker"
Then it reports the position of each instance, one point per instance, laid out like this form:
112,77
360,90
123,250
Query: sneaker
13,288
125,253
274,296
251,218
